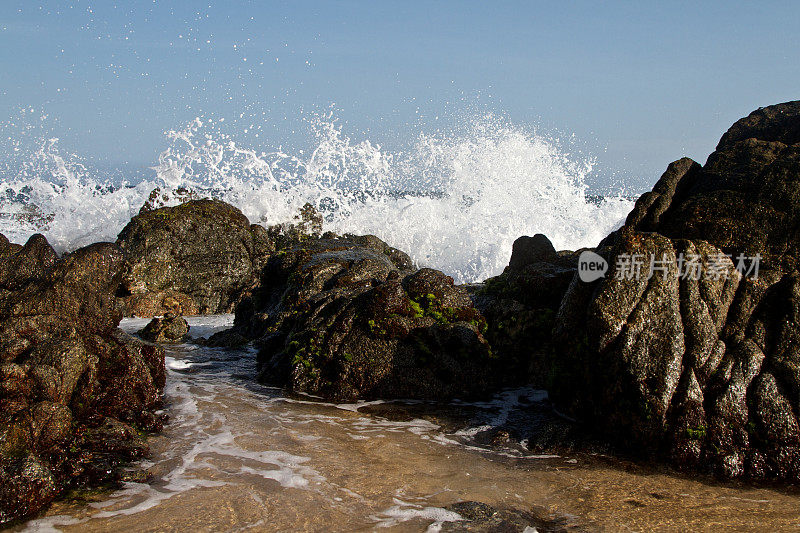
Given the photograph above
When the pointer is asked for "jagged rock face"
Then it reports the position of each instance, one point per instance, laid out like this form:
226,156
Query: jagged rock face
745,198
41,297
705,371
204,254
65,370
346,318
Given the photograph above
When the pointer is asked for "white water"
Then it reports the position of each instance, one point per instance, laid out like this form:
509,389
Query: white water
453,201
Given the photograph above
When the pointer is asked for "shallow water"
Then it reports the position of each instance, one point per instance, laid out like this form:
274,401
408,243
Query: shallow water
238,456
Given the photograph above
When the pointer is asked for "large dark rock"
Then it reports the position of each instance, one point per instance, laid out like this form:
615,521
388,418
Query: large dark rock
41,298
66,370
703,369
347,318
203,253
746,197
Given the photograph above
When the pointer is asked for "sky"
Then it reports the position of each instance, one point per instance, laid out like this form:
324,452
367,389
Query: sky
634,85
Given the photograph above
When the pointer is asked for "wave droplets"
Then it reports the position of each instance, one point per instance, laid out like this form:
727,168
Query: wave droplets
455,201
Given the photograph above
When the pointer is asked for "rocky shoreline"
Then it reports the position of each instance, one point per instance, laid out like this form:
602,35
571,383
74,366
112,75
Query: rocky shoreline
76,392
699,371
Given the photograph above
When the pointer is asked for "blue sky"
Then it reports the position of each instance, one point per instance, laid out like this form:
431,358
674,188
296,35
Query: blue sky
639,84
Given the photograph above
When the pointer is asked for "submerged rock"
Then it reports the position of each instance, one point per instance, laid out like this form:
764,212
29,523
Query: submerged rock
204,254
65,369
346,318
703,369
479,517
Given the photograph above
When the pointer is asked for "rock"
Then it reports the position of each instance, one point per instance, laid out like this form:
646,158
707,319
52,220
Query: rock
29,262
520,307
52,423
345,318
637,334
529,250
64,369
744,199
132,376
26,486
57,366
702,370
479,517
650,207
74,296
166,329
204,254
774,123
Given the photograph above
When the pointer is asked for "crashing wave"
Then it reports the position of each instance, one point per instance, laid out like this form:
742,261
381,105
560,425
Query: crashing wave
453,201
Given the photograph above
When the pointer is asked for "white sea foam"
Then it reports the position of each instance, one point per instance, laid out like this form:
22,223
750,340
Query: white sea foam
49,524
403,511
177,364
455,201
